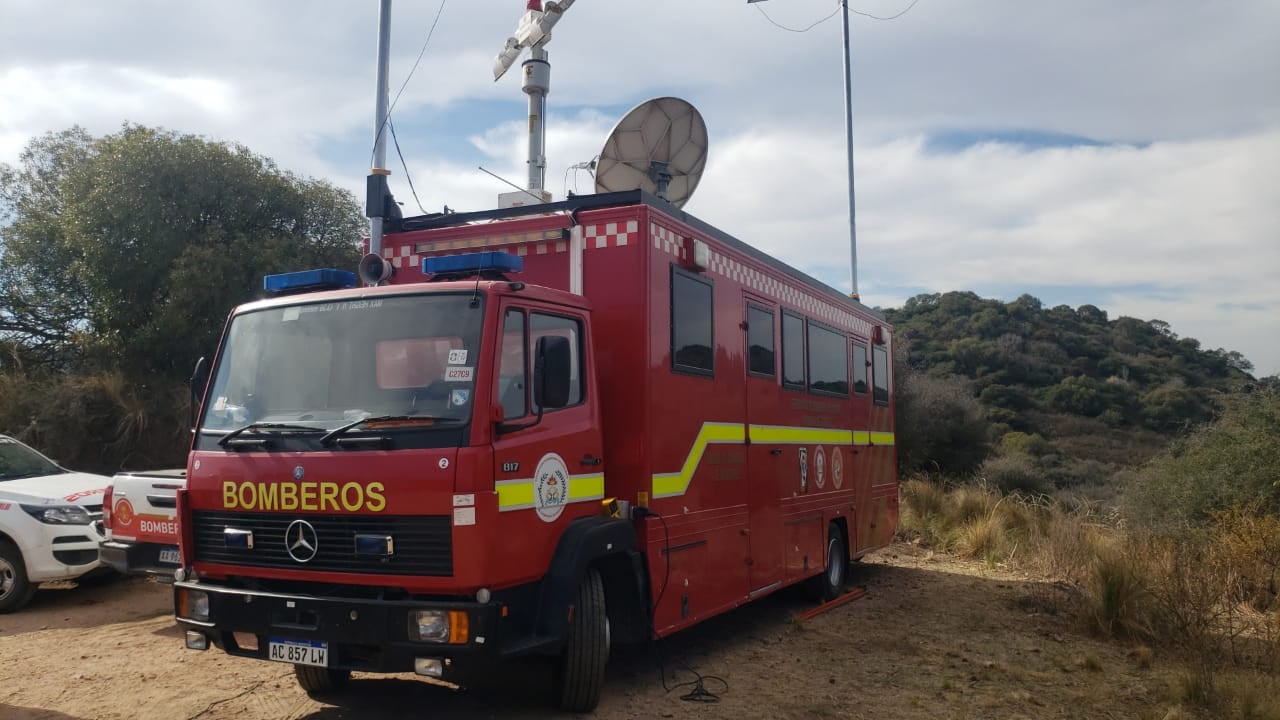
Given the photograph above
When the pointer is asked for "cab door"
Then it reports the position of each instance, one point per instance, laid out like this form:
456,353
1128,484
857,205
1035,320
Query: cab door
547,470
764,460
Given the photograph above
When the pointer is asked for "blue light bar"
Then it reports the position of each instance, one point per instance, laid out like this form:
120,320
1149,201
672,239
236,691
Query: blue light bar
309,280
473,262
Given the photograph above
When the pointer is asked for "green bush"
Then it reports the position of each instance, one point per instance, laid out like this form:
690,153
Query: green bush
1014,473
941,426
1234,461
97,423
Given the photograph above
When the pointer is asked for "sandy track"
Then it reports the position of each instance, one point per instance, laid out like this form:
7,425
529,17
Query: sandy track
933,638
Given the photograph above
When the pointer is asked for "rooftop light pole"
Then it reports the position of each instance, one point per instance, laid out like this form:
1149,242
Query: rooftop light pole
848,123
377,205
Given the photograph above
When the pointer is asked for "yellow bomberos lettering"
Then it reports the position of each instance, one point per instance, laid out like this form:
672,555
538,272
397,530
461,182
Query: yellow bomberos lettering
248,496
268,496
288,496
352,496
328,496
376,502
307,496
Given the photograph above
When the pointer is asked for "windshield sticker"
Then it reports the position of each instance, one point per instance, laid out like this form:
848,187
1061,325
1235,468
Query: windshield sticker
458,357
459,374
458,398
290,313
550,487
342,306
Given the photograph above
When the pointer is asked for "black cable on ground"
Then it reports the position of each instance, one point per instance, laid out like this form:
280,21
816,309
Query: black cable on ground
699,692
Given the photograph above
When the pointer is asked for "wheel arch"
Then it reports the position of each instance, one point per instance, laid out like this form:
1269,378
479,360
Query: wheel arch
607,544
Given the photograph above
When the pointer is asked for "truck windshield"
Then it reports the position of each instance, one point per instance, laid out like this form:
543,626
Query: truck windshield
324,365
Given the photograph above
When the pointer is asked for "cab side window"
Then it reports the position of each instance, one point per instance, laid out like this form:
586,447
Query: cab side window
570,328
513,368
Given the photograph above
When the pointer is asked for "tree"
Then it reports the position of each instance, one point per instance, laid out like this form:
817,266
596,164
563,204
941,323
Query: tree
127,251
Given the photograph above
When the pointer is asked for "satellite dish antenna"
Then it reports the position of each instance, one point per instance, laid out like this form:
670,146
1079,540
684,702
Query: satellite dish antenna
659,146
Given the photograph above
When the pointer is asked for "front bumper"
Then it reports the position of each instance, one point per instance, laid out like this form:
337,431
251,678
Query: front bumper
133,558
61,552
362,635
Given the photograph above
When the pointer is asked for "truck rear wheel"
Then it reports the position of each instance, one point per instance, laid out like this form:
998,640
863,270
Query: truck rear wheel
830,584
320,681
580,675
16,588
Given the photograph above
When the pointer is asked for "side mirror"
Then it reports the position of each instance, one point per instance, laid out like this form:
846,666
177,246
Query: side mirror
551,372
199,379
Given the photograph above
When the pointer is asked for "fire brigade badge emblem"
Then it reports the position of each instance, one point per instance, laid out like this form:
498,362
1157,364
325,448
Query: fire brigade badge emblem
837,468
550,487
804,470
820,466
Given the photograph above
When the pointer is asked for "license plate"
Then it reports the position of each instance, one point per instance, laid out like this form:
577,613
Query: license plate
299,652
170,555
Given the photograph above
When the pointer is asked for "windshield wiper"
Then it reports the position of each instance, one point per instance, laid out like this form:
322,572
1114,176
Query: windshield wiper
267,426
333,434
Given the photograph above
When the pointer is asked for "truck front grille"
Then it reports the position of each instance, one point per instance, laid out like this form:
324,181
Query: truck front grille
423,543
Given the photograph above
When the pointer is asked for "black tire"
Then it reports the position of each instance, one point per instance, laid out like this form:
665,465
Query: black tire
580,671
15,588
830,584
320,681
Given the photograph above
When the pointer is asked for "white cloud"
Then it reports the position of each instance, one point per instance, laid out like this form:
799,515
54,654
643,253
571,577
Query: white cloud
1175,229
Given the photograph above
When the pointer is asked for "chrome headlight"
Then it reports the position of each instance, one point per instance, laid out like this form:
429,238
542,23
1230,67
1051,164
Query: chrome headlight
429,625
193,604
58,514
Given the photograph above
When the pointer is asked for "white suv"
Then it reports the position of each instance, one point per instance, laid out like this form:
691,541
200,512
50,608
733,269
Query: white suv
50,522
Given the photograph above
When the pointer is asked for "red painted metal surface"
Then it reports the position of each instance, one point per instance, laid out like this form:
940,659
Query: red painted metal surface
752,514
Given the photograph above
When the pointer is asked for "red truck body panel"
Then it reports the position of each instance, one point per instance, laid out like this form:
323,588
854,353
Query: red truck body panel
740,520
745,473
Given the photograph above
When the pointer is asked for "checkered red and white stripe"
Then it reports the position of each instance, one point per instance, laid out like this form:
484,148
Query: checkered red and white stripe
764,283
612,234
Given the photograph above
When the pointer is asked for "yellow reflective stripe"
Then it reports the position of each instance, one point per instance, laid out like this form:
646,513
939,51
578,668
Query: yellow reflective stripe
519,494
515,494
586,487
881,438
776,434
861,437
668,484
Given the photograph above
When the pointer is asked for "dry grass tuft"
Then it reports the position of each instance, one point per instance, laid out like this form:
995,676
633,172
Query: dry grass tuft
1142,656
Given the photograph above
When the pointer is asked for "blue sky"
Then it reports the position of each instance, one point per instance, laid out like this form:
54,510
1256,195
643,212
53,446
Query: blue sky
1125,155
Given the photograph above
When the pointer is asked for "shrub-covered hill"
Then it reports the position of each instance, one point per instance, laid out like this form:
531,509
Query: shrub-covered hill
1090,387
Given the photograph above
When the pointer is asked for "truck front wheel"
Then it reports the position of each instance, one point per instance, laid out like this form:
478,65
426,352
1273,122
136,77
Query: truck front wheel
320,681
580,675
16,588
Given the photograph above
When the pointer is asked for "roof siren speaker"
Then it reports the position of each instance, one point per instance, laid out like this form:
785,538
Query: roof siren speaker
659,146
374,269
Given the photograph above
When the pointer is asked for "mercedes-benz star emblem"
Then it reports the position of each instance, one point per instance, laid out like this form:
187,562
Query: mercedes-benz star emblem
300,541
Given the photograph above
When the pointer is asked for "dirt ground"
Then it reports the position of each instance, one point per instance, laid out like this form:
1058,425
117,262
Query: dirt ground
933,637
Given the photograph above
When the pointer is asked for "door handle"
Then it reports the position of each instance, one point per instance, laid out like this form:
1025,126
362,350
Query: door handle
591,460
776,451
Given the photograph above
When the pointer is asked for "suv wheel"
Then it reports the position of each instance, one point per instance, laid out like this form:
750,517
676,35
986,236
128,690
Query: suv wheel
15,588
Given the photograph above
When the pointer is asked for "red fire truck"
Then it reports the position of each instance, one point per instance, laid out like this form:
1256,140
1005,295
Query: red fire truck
553,429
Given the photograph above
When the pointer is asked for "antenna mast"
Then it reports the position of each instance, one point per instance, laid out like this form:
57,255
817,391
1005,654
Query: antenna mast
534,32
379,203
